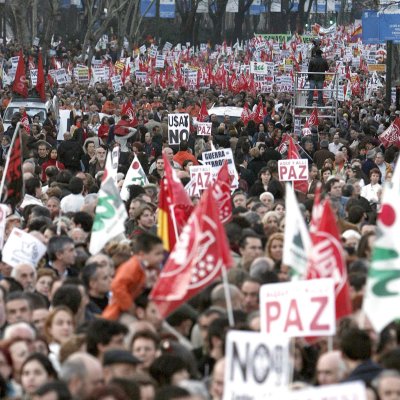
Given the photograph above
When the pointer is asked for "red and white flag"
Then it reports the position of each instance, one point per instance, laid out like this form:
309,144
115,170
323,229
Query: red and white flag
222,193
203,113
40,84
197,258
128,109
20,85
326,259
25,122
391,136
246,114
293,154
312,119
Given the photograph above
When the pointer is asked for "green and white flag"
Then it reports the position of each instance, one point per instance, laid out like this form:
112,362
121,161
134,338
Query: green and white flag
297,239
383,284
110,217
134,176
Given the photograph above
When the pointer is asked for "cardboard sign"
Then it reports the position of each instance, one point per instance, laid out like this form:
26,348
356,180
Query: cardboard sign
204,128
201,177
256,365
303,308
22,248
352,390
293,170
178,128
216,158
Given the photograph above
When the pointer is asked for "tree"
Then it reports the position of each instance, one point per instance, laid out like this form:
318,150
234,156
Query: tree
216,11
243,7
187,10
19,10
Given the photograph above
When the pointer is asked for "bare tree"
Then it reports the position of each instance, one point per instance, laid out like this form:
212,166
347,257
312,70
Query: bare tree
216,11
20,10
244,6
187,9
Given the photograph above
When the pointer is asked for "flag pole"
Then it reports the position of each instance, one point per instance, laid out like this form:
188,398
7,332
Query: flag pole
3,178
228,299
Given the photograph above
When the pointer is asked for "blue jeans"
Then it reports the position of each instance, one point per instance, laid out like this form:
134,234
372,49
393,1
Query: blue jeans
315,85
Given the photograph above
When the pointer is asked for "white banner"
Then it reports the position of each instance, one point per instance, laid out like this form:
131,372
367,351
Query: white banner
255,365
22,248
293,170
204,128
33,73
302,308
160,60
178,128
61,76
116,83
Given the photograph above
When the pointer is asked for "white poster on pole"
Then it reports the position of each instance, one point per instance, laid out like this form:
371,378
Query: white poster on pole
178,128
61,76
160,61
33,73
215,159
201,177
296,309
256,365
22,248
293,170
116,83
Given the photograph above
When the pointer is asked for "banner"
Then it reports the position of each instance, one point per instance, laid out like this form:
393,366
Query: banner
293,170
33,73
116,83
204,128
61,76
167,8
255,365
201,178
148,8
178,128
22,248
296,309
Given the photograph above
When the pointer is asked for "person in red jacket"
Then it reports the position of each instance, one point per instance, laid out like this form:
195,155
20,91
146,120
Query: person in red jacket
52,161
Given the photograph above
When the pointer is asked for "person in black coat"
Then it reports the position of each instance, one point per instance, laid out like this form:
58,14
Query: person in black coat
256,162
317,64
70,153
266,183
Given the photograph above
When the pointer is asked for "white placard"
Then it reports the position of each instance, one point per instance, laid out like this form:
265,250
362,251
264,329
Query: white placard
216,158
178,128
116,83
293,170
33,73
61,76
141,76
255,365
201,177
352,390
3,215
160,61
296,309
204,128
22,248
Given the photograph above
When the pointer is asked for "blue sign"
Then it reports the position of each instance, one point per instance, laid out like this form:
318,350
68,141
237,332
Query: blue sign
167,9
389,27
145,11
370,27
295,6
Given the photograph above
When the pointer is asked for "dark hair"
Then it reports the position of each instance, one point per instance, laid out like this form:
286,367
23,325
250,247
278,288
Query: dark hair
57,244
84,219
75,185
146,334
18,295
330,183
59,387
375,171
171,393
164,367
88,272
146,242
101,331
130,387
31,184
67,295
243,239
114,391
44,361
356,344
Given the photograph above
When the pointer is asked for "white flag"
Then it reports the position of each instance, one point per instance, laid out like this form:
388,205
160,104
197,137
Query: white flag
134,176
112,163
383,283
297,239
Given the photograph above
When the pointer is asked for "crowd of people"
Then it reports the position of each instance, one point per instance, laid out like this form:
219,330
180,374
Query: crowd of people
59,339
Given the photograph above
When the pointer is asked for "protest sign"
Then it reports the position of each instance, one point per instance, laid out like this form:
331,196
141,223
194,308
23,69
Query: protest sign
201,177
178,128
302,308
293,170
204,128
61,76
351,390
141,76
256,365
116,83
22,248
160,60
216,158
33,73
82,74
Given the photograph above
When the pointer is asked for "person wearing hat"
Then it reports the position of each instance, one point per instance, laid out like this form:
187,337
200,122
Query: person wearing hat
317,64
321,155
118,363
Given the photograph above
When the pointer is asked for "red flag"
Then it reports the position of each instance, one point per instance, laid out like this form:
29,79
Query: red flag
222,193
177,206
40,79
13,173
197,259
51,80
391,136
126,73
316,210
25,122
312,119
203,113
246,114
326,259
258,115
20,86
128,109
293,154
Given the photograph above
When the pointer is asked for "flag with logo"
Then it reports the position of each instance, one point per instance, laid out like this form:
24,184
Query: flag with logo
20,85
383,283
40,84
197,259
222,193
134,176
203,113
110,216
174,207
25,122
246,114
293,154
297,239
312,119
326,259
391,136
